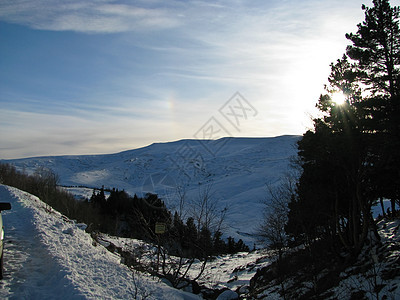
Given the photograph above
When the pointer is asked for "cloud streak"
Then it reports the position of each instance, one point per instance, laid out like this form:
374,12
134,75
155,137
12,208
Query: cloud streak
85,16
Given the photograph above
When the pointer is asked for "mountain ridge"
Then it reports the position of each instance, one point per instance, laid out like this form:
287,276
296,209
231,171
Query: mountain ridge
237,171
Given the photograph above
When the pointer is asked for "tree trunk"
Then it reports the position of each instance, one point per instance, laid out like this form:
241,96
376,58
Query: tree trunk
382,207
365,218
393,205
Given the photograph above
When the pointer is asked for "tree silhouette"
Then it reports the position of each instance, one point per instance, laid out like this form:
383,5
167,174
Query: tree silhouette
349,160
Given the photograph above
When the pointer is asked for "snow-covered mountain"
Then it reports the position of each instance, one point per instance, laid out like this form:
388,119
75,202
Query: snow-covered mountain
235,170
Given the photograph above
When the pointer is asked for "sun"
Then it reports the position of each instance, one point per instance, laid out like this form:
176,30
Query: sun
338,98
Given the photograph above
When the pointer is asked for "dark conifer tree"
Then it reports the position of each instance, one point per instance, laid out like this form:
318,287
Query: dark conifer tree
190,239
98,199
376,50
219,245
348,160
205,242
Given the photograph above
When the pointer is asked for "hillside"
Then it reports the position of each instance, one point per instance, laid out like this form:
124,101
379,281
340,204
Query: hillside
236,170
47,255
373,274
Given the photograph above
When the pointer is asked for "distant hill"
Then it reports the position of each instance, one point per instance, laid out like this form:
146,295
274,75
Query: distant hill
236,170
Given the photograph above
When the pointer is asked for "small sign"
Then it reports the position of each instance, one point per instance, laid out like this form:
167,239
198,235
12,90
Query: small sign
160,228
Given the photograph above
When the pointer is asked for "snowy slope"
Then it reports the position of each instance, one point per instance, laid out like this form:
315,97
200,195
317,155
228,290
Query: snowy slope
230,271
237,169
47,256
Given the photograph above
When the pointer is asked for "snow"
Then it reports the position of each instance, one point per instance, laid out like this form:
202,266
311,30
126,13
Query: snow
237,169
369,281
47,256
82,193
377,209
232,271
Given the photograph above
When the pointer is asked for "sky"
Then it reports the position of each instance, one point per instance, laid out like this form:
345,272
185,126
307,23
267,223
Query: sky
91,77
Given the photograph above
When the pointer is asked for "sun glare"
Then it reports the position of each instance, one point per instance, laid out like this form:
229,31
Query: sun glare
338,98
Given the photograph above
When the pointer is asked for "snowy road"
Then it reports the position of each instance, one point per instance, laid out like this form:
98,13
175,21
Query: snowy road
29,270
49,257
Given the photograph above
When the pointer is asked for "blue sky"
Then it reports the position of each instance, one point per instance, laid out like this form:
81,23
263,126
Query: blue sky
88,77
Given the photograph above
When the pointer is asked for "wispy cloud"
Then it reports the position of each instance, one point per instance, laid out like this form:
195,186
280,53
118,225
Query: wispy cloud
103,16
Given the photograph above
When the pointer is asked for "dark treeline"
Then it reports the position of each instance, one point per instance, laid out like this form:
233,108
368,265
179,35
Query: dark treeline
136,217
43,184
348,162
123,215
351,159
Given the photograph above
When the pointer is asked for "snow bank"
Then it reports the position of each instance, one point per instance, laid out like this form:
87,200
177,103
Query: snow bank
48,256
